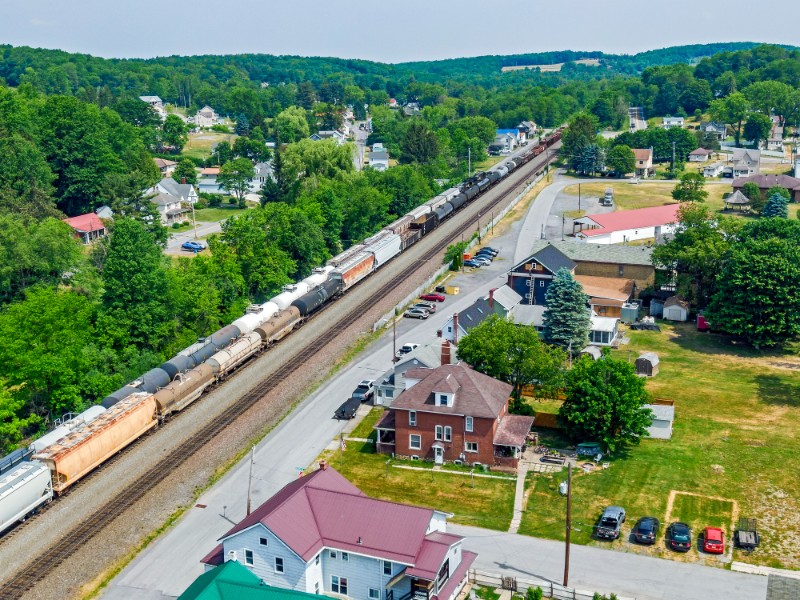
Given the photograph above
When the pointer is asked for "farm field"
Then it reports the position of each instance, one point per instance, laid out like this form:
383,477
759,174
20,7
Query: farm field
732,452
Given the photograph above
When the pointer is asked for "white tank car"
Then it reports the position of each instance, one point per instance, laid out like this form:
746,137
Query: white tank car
290,293
23,490
239,351
256,315
318,276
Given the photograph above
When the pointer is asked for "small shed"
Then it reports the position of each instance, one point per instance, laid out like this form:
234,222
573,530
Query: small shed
657,307
676,309
592,351
661,426
737,201
647,364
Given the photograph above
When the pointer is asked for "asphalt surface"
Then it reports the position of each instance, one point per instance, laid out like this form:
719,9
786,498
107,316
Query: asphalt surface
171,563
203,231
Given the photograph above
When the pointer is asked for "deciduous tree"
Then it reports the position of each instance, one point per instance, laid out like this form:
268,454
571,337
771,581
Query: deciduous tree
236,177
690,188
621,160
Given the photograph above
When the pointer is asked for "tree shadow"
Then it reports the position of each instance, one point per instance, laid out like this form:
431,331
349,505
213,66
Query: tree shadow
777,391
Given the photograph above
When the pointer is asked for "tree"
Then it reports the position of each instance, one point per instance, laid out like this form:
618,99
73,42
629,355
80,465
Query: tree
690,188
185,169
757,297
566,318
781,191
592,160
753,193
174,133
731,110
255,150
291,125
512,353
236,177
621,160
605,403
242,125
581,131
420,144
776,206
283,186
757,128
135,299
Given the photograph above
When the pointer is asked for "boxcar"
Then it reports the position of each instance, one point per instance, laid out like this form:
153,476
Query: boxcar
86,448
22,490
184,390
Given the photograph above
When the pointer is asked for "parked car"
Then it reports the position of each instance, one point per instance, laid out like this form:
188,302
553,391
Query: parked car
610,523
646,530
193,246
472,263
431,308
488,251
364,390
406,348
416,313
679,537
348,409
484,262
432,297
487,255
713,540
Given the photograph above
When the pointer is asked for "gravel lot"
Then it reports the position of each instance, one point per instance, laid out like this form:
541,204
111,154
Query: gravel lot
117,541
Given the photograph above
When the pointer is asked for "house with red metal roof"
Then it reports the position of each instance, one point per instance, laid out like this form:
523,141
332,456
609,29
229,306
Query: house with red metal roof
89,227
320,534
628,225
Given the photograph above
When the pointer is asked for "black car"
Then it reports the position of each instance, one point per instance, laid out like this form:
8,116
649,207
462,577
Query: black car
488,250
348,409
679,537
646,530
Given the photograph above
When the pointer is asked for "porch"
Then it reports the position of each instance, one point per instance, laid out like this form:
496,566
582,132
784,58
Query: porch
385,440
509,440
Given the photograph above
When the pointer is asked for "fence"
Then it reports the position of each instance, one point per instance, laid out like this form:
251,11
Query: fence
387,317
520,585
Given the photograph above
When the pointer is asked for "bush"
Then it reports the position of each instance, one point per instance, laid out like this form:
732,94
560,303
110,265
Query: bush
201,203
231,200
220,128
534,594
176,225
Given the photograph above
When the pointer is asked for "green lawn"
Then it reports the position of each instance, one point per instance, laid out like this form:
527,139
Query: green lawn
210,215
489,504
735,438
200,144
628,196
365,428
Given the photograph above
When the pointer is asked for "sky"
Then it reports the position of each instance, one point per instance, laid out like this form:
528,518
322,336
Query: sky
384,30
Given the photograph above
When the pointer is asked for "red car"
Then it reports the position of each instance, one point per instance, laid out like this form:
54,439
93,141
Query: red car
713,540
432,297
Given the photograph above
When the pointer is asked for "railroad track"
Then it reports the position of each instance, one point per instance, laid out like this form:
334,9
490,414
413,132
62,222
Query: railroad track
52,557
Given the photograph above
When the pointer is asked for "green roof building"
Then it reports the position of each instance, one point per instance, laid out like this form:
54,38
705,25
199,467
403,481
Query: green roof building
233,581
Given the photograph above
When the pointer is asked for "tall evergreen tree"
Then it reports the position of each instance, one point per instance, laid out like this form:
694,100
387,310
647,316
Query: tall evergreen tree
775,207
566,318
242,125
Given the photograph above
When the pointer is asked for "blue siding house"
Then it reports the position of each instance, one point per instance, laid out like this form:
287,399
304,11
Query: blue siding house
531,278
322,535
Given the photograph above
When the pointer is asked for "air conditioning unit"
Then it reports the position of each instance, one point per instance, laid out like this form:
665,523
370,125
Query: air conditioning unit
232,555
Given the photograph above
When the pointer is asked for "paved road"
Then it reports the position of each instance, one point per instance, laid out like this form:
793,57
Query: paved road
203,230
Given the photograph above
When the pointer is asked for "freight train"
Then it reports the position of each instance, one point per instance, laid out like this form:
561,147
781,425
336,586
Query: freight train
31,478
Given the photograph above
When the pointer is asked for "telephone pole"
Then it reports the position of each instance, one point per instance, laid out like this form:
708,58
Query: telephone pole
569,524
250,477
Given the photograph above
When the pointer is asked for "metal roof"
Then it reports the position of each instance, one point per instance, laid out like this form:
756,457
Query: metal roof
600,253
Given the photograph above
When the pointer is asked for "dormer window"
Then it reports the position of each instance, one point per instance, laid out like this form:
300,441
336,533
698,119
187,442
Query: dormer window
442,399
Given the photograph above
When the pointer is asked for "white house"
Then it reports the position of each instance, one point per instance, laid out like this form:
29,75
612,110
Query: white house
320,534
263,172
206,117
527,130
713,170
505,141
699,155
797,167
671,122
628,225
430,356
337,136
169,208
499,301
379,160
184,192
644,162
718,129
746,162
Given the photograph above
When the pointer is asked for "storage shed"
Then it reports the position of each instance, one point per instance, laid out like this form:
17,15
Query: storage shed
676,309
661,426
647,364
657,307
592,351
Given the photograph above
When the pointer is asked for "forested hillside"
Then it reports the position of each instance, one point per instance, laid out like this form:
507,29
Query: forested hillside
78,322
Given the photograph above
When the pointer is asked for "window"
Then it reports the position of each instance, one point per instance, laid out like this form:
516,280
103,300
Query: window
448,434
316,588
469,425
333,553
316,561
388,393
415,442
472,447
438,432
339,585
387,567
541,283
278,564
621,270
263,541
248,558
442,399
345,556
412,418
374,594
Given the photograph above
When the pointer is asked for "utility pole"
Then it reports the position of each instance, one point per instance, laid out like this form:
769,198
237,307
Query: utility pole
194,221
394,337
469,161
673,157
569,524
250,477
563,220
579,197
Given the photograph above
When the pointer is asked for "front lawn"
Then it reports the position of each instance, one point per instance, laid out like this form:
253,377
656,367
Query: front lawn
734,439
490,503
210,215
645,194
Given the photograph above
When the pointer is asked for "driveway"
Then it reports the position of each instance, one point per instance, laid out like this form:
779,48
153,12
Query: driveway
606,571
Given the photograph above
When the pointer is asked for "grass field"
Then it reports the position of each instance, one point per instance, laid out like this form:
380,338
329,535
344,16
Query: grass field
200,145
735,438
489,504
628,196
210,215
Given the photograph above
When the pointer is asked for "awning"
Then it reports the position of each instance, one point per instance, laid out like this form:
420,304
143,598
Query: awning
396,579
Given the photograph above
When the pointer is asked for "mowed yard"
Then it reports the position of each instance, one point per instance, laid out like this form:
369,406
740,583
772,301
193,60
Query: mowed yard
628,196
484,503
201,145
733,452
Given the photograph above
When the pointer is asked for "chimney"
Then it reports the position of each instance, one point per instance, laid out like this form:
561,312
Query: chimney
445,352
455,329
323,465
183,180
359,541
491,298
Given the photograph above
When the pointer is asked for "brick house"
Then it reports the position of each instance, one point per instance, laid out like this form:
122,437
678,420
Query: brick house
453,414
